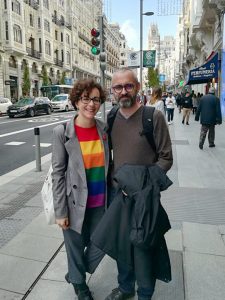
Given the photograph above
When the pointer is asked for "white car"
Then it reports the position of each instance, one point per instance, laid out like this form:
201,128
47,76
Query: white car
61,102
4,104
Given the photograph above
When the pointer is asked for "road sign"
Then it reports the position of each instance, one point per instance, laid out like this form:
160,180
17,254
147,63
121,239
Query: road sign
149,58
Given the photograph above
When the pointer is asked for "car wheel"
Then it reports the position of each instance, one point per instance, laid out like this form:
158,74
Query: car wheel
49,111
67,108
31,112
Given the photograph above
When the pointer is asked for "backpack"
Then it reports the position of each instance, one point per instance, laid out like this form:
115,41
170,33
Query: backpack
47,195
147,122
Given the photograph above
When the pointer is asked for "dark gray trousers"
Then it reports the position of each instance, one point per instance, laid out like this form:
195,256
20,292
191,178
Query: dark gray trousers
210,129
75,244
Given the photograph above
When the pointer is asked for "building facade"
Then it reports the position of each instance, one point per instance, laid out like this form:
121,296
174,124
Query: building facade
53,35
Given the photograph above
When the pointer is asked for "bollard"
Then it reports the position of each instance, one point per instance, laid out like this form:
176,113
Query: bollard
37,148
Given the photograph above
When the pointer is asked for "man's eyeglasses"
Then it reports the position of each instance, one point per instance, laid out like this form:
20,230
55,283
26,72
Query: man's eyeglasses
87,100
129,87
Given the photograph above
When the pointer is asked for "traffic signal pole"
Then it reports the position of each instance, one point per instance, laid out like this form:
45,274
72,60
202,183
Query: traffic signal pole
102,66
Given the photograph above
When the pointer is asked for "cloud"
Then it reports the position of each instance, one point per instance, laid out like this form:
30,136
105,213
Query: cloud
128,29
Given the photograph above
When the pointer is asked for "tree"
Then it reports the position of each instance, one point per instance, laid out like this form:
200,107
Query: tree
45,79
62,80
153,77
26,81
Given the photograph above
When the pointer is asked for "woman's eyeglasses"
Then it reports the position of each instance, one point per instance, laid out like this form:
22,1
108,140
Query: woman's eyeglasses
129,87
87,100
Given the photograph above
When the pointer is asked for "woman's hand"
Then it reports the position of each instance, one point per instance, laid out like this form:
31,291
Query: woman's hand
63,223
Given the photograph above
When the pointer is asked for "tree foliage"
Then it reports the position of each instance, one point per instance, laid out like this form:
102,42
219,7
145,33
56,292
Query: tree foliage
153,77
62,80
45,79
26,81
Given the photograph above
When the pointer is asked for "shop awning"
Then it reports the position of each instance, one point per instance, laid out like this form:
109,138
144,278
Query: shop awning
204,73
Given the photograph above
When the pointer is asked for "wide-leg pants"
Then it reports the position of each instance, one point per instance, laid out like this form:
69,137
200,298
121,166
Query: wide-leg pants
75,244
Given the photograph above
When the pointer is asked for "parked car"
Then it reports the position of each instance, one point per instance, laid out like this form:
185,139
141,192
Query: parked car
62,102
4,104
29,107
45,99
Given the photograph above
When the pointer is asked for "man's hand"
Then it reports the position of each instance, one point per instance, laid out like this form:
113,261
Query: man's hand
63,223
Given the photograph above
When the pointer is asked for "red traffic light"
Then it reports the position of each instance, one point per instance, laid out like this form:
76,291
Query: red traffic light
95,32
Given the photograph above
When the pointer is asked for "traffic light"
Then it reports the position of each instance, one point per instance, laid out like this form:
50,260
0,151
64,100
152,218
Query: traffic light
95,41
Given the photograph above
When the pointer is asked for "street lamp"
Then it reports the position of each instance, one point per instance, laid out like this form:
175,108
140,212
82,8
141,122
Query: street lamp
149,13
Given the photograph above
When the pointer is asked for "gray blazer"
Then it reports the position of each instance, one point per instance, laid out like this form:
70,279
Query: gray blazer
68,177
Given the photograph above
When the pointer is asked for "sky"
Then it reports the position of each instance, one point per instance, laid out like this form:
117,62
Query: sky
127,14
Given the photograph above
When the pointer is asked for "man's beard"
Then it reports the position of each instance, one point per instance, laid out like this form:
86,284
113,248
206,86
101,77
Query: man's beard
129,102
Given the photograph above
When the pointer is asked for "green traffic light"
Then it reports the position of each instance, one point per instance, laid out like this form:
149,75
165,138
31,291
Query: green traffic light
95,50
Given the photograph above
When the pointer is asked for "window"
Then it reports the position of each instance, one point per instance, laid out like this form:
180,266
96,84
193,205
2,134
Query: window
46,4
5,4
56,35
61,37
31,20
68,58
61,2
39,22
40,46
17,34
67,39
46,25
6,30
47,47
16,6
62,55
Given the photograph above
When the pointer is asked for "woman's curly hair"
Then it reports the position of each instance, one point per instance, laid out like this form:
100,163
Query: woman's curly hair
86,85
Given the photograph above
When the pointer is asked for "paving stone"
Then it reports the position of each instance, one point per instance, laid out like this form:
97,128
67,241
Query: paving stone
203,238
52,290
39,227
204,276
6,295
31,246
19,273
27,213
174,240
35,201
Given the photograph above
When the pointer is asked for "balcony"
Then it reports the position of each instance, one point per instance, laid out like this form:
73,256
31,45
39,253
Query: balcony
84,38
33,53
34,4
58,62
56,20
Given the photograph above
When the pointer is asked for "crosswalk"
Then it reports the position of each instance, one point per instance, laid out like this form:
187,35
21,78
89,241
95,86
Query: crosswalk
43,145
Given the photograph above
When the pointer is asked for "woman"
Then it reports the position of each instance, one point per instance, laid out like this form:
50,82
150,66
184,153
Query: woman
170,105
156,100
80,162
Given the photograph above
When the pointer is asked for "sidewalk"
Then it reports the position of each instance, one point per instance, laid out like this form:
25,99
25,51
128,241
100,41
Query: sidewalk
32,255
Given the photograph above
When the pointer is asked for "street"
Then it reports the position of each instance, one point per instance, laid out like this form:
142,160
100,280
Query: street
17,138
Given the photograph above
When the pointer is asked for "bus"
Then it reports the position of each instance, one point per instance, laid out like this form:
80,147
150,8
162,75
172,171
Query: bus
51,91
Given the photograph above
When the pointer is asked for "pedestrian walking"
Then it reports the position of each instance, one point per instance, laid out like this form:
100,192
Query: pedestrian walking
170,106
156,100
80,158
209,112
130,146
187,107
194,103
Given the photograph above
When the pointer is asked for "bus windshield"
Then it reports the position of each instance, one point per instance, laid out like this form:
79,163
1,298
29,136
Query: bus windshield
51,91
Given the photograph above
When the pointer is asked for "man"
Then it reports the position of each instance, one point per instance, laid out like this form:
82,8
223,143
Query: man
132,148
209,112
186,104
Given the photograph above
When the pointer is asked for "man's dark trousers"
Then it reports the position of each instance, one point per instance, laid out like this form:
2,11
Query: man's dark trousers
211,134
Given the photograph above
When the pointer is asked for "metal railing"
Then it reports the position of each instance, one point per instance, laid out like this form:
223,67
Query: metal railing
33,53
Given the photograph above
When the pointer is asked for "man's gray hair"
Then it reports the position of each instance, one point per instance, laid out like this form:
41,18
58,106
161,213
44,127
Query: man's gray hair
126,69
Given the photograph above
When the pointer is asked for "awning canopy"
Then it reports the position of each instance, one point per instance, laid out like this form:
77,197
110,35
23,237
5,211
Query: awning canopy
204,73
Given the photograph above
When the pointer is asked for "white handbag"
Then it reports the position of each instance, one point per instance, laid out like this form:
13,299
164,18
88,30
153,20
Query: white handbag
47,198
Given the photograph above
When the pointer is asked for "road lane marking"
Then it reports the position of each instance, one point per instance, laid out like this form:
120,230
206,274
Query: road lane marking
14,143
32,128
44,145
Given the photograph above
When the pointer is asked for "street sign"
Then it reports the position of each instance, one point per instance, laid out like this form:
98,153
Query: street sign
7,82
133,59
149,58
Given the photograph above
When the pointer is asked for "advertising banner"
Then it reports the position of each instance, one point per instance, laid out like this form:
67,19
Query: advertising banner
222,81
133,59
149,58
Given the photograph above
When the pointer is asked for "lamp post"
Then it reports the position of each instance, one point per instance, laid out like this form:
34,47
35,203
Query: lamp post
150,13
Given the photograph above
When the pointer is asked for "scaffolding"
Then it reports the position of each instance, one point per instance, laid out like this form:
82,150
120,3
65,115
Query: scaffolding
169,7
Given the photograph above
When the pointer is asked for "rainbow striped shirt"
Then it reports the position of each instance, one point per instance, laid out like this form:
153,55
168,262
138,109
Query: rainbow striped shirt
94,164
